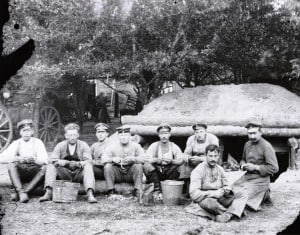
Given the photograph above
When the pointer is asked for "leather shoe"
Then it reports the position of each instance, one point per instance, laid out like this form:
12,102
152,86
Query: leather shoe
223,218
47,197
91,197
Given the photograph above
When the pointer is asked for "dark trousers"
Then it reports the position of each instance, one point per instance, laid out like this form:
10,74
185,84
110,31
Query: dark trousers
99,172
154,173
131,174
21,173
83,175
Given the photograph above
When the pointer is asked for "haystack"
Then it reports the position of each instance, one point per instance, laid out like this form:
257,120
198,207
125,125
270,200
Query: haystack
226,109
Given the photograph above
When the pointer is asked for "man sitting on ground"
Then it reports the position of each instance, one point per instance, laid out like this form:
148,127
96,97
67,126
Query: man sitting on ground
163,159
98,148
260,162
71,160
209,188
123,162
27,159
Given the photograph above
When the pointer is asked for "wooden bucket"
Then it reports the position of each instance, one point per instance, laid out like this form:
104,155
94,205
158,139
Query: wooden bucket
65,191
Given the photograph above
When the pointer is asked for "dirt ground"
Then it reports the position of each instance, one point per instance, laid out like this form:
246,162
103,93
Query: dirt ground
127,217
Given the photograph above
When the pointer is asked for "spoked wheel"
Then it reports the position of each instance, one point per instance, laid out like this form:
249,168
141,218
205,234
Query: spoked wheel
49,124
6,128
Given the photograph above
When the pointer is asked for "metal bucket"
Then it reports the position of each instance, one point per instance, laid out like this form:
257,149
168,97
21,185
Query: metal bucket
171,192
65,191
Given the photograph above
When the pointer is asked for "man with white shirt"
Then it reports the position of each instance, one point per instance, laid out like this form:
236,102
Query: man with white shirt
27,158
163,159
71,160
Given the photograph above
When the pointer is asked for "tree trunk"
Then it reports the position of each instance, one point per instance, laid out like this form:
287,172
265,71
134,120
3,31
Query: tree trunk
36,119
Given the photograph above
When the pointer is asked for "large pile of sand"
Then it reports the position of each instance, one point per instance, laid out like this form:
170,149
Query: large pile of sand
224,105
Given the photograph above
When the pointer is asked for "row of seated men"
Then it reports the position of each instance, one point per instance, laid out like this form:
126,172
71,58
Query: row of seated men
123,160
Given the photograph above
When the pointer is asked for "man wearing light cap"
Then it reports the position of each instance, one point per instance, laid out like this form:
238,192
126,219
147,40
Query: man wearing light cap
260,162
27,159
163,159
97,149
71,160
123,162
194,152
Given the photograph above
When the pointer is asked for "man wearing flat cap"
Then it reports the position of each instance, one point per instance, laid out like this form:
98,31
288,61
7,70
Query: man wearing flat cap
163,159
194,152
123,162
27,158
97,149
71,160
260,162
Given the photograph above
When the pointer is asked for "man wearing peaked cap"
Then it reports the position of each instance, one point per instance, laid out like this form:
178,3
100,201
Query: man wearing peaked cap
163,159
260,162
164,126
123,129
98,148
27,157
71,160
122,161
253,124
194,152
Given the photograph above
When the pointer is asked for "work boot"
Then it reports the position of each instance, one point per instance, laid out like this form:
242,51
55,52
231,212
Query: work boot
157,196
268,199
91,197
23,197
47,196
223,218
16,182
36,179
138,194
111,192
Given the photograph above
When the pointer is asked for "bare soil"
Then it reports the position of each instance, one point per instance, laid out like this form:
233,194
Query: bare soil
127,217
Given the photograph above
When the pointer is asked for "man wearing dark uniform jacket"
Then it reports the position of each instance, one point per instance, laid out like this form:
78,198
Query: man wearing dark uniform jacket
260,162
98,148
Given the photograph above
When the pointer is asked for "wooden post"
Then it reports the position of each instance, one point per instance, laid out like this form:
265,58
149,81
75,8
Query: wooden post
293,144
221,158
292,158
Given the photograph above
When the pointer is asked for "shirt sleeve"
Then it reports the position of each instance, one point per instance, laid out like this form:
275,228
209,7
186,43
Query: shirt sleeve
7,155
223,177
243,161
41,152
55,155
271,165
93,151
139,151
196,185
177,152
188,149
108,154
86,152
152,151
214,140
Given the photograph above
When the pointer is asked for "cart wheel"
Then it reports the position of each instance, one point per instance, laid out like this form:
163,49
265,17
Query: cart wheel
6,128
49,124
